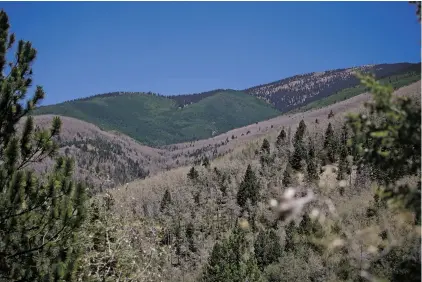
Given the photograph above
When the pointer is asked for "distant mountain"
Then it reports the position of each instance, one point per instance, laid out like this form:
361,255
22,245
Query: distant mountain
107,159
299,90
158,120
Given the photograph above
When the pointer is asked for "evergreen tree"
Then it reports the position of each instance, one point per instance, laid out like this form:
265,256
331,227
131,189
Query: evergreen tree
330,144
331,114
39,217
287,176
290,236
300,131
193,174
289,136
343,166
281,138
166,201
227,261
267,248
190,231
249,189
265,148
299,152
311,167
392,145
206,162
265,157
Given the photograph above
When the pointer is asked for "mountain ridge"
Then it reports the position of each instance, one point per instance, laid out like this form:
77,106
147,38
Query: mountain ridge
159,120
117,154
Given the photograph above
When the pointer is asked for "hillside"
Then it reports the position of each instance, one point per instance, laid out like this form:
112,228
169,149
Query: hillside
103,159
293,92
396,81
188,231
157,120
106,159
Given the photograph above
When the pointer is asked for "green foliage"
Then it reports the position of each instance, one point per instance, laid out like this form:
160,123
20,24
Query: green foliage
229,262
166,201
193,173
265,148
330,144
299,152
330,114
288,176
158,120
206,162
267,248
311,163
281,139
266,158
39,218
344,167
390,143
190,231
248,190
289,239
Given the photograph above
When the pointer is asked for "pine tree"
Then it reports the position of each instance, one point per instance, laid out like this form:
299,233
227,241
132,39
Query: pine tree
190,231
227,261
206,162
331,114
392,145
311,167
265,148
266,158
267,248
289,136
300,131
166,201
299,152
281,138
193,174
249,189
343,166
290,236
39,217
330,144
287,176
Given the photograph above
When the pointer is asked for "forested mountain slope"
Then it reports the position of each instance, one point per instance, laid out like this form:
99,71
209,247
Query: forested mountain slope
296,91
157,120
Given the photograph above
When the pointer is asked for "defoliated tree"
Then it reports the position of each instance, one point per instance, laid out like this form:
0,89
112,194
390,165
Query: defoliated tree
39,217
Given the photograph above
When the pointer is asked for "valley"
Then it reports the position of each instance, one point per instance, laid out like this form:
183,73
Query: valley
157,120
103,167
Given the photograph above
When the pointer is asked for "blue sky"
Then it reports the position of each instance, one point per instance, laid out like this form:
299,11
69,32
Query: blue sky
186,47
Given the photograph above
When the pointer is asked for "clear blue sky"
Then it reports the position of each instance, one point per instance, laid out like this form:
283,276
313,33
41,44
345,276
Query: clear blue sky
184,47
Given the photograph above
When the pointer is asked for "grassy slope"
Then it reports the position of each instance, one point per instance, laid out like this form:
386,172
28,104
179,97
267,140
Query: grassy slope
397,81
155,120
